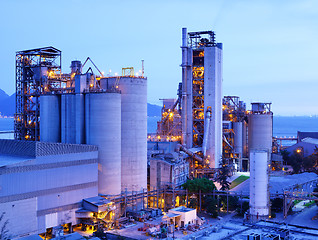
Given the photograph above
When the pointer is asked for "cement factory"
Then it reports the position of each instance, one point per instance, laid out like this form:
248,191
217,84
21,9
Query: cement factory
82,157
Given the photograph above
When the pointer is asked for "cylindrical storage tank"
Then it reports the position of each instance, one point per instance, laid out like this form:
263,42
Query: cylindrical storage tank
259,191
68,123
238,138
76,67
103,121
260,131
133,130
133,133
50,118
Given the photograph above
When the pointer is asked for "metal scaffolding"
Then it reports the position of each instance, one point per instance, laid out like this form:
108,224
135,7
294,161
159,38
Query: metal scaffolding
38,71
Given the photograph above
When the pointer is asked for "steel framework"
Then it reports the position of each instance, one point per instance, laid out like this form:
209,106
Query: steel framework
38,71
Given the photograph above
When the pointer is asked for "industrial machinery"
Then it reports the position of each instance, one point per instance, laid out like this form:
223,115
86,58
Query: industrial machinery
202,93
201,130
84,108
38,71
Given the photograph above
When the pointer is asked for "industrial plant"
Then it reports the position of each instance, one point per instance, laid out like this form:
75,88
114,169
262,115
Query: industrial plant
82,158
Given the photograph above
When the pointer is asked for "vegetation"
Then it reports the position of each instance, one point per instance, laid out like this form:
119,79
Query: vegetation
223,175
4,232
238,181
242,208
197,184
300,163
277,204
210,205
232,203
203,185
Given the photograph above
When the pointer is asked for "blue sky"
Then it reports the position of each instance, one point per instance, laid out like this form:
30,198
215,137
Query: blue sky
270,47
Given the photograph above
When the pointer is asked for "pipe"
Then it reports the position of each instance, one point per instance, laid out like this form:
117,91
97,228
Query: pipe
191,154
184,86
208,117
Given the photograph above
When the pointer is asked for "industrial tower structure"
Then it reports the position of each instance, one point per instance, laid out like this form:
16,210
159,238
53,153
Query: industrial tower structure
38,71
202,94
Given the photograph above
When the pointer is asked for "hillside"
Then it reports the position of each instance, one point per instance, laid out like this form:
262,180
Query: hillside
153,110
3,95
7,106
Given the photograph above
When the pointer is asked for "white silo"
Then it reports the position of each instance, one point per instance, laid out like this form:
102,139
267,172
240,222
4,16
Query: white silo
238,138
259,192
133,130
50,120
103,129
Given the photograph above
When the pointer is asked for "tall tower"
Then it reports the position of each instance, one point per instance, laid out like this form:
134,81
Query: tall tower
202,94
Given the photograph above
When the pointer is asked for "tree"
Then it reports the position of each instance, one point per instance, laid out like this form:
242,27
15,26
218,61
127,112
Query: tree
232,201
296,161
223,175
277,204
285,154
4,232
197,184
210,205
242,208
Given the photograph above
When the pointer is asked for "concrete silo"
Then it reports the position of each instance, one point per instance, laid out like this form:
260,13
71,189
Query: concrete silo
238,138
260,132
102,121
259,191
260,127
133,130
50,121
68,118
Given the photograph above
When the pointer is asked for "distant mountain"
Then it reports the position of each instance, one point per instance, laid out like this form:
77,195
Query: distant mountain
3,95
153,110
7,106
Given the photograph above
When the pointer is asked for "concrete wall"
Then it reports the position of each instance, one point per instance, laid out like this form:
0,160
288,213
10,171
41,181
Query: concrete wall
21,216
163,173
46,189
186,216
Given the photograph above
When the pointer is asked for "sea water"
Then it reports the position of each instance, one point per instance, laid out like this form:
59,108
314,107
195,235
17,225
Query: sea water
282,126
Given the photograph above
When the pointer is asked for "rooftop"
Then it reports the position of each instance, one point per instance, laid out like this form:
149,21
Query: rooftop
182,209
279,183
97,201
35,149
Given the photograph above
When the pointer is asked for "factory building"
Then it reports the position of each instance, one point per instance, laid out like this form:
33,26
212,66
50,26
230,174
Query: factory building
84,108
307,143
78,135
42,184
202,94
168,170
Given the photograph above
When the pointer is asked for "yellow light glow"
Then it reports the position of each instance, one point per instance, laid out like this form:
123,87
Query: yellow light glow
298,150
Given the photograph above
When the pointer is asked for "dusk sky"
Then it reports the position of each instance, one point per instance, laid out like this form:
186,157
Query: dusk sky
270,48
